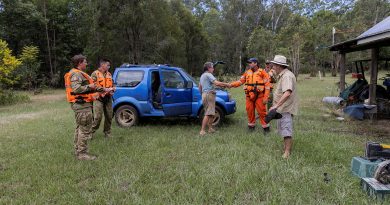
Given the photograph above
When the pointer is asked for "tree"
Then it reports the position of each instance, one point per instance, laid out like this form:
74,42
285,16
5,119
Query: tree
292,39
8,63
212,26
261,43
194,37
28,71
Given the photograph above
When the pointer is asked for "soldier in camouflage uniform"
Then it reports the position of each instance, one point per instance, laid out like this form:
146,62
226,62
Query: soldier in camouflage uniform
103,105
272,80
80,91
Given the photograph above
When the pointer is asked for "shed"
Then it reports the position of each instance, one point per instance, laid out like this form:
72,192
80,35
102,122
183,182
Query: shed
374,38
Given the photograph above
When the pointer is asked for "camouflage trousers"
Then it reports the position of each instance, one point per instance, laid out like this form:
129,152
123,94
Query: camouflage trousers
100,108
83,130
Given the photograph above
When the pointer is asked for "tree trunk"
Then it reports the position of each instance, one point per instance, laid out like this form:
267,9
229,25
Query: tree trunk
54,50
334,64
129,44
314,71
277,19
47,39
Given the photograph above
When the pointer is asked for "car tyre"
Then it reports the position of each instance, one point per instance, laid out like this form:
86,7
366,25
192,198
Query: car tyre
219,116
126,116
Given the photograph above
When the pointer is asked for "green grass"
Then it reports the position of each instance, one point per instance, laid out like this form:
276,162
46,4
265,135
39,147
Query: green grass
166,162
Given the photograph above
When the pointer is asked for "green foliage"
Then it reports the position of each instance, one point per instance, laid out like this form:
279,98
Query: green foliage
8,63
261,43
29,55
212,26
194,37
28,72
9,97
184,33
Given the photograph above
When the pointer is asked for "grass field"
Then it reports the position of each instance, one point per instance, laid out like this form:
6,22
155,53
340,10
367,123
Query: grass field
166,162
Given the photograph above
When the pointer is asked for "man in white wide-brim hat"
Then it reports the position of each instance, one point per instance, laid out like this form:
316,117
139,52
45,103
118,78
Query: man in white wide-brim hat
285,100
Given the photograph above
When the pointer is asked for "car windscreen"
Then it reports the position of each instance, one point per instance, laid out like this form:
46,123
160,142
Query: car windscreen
129,78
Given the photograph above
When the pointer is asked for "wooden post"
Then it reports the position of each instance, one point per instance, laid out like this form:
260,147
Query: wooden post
374,75
342,72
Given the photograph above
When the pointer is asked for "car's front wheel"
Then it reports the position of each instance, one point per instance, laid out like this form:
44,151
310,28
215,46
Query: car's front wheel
218,117
126,116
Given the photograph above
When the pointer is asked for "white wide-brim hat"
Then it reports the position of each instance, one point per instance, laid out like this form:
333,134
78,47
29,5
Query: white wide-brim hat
280,60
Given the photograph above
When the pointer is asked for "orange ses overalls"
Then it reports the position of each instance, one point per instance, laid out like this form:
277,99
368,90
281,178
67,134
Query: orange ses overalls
257,89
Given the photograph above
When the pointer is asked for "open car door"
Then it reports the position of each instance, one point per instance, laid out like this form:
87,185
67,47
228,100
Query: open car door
176,93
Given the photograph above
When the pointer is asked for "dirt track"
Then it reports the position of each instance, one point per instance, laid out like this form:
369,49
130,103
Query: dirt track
50,97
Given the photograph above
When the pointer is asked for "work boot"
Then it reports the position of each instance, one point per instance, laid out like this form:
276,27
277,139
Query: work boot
251,128
266,130
86,157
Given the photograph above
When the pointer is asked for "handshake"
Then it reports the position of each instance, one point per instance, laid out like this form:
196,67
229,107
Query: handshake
223,85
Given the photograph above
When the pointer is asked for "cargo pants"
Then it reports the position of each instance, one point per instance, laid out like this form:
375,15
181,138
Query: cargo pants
102,107
83,130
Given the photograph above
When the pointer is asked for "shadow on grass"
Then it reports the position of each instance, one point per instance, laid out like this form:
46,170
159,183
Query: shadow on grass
180,121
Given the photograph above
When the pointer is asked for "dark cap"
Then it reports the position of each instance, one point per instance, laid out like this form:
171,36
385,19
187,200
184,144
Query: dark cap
253,60
272,114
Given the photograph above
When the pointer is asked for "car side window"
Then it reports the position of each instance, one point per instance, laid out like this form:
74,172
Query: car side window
130,78
173,79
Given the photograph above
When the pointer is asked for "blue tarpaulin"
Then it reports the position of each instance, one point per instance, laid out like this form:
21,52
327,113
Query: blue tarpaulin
357,111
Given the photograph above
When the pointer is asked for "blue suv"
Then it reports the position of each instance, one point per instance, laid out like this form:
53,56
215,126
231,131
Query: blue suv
161,91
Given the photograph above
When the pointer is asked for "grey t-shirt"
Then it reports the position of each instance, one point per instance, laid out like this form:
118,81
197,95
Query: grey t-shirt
206,81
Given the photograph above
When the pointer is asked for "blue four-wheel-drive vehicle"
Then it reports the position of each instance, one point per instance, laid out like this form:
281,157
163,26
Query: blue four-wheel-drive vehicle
161,91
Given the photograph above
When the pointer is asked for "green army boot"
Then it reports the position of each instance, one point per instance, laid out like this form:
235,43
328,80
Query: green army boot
86,157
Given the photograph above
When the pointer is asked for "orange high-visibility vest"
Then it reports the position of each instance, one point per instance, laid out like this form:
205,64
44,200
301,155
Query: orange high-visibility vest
253,80
105,82
257,81
70,95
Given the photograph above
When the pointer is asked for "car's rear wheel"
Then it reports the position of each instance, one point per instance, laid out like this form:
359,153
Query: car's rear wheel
218,117
126,116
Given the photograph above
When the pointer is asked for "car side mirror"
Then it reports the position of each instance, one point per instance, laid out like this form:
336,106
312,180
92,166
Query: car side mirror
190,84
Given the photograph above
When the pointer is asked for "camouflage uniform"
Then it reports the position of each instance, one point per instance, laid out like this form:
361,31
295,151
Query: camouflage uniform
272,80
103,105
83,113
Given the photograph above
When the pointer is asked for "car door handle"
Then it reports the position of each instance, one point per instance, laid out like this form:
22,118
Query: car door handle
168,94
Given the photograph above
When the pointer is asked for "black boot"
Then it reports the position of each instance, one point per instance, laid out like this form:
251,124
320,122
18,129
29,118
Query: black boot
266,130
251,128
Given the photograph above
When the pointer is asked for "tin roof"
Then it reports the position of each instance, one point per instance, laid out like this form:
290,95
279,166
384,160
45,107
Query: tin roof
376,36
381,27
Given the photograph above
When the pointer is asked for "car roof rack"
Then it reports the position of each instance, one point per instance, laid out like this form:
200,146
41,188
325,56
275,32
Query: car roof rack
128,65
